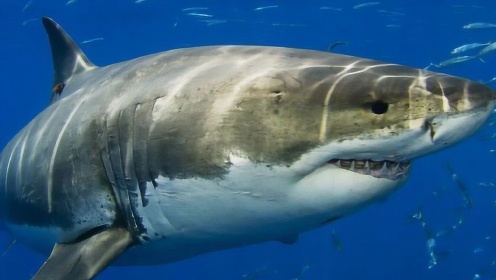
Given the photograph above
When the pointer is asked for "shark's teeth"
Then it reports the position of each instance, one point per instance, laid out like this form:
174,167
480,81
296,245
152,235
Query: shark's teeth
379,169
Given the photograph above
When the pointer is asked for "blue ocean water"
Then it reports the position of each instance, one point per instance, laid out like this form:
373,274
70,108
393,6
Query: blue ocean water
453,239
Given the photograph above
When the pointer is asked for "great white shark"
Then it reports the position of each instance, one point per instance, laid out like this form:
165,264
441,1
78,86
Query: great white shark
188,151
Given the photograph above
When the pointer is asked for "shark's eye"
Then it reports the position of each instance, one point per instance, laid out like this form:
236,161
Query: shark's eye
379,107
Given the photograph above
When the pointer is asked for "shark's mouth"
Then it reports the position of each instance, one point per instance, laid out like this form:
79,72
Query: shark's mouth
380,169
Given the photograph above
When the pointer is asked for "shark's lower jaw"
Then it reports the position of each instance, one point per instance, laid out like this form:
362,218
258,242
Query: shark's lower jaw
379,169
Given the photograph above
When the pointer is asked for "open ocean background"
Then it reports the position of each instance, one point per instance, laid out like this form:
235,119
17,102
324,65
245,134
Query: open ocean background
453,190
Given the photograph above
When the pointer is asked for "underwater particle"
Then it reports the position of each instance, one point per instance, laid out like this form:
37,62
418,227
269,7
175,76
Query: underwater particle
439,191
338,245
300,273
478,250
257,273
461,186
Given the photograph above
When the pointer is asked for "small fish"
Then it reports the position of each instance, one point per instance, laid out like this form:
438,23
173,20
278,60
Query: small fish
478,250
194,9
418,215
390,13
478,25
335,44
331,8
97,39
368,4
265,8
468,47
289,24
27,5
488,82
199,15
9,246
431,243
24,23
467,6
452,61
488,49
70,2
256,274
302,271
210,22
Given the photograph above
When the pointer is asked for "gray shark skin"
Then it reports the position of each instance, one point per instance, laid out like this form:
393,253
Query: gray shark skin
188,151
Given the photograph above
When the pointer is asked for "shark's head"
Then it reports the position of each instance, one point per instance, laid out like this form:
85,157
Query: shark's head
349,130
374,121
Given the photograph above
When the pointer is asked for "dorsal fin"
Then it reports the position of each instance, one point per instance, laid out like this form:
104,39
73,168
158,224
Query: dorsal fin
68,59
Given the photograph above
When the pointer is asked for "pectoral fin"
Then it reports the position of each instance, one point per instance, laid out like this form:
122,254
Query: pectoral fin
84,259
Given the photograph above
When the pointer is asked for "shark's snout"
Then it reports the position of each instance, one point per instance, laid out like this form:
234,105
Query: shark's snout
466,106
